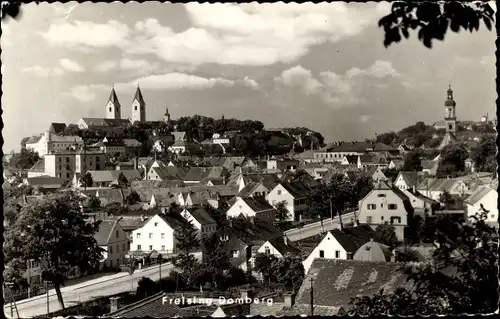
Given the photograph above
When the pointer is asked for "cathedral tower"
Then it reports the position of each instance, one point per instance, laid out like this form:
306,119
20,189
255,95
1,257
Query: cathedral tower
113,107
138,107
450,118
166,117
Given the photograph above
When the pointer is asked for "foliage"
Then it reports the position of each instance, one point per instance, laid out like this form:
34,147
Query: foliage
122,180
389,138
146,287
413,161
484,156
282,213
287,271
216,259
407,255
133,198
452,161
461,279
387,235
432,19
218,214
93,203
263,264
186,239
86,180
25,159
54,232
391,173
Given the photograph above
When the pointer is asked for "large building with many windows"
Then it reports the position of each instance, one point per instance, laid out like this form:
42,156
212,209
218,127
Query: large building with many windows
65,164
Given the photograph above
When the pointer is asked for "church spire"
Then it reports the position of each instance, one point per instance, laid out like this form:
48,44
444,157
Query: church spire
138,95
113,98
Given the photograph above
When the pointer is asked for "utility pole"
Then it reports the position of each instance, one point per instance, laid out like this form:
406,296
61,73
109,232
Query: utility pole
312,298
47,289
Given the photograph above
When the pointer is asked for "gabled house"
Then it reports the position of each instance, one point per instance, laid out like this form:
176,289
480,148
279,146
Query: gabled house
38,169
107,178
57,128
487,197
157,234
429,167
253,189
350,160
340,244
252,207
435,187
396,164
113,240
408,180
423,206
294,195
44,183
376,173
161,172
386,204
196,175
201,220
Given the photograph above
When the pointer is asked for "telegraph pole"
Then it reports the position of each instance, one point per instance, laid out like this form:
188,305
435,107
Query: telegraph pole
312,298
47,289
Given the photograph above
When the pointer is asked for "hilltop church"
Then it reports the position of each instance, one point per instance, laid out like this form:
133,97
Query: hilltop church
113,114
450,121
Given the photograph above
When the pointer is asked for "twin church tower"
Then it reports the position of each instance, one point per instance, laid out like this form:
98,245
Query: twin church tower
113,108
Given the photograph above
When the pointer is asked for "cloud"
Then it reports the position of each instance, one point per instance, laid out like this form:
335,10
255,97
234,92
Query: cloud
127,64
85,93
43,71
228,34
175,81
300,77
71,65
250,83
86,34
106,66
364,118
339,90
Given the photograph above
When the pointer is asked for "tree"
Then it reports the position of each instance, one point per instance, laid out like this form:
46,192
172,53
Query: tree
146,287
282,213
387,235
391,173
432,19
264,265
93,203
72,130
24,159
216,259
389,138
484,156
289,271
407,255
86,180
452,161
413,161
462,278
218,214
186,242
133,198
54,232
187,239
122,180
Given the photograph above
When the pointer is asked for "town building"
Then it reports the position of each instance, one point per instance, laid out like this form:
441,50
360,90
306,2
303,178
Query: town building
65,164
49,142
112,239
294,195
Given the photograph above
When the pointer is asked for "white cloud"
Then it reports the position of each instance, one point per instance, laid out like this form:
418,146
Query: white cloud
174,81
106,66
249,34
364,118
87,34
126,64
250,83
85,93
71,65
379,70
43,71
300,77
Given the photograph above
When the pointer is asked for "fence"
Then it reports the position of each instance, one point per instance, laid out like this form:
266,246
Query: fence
35,290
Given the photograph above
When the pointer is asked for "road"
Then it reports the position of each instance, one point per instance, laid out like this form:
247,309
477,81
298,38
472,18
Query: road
313,229
86,291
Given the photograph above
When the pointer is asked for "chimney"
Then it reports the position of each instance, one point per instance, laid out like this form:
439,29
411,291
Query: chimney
135,163
393,256
246,293
285,239
289,299
349,255
115,304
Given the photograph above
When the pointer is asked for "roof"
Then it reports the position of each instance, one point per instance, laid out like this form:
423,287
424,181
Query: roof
296,189
113,98
171,172
34,139
437,184
39,166
352,159
258,204
282,247
57,128
201,215
105,122
351,239
154,307
248,189
111,176
350,147
367,159
478,195
138,96
303,309
336,281
150,184
179,135
448,139
200,173
411,178
45,181
373,251
309,154
104,232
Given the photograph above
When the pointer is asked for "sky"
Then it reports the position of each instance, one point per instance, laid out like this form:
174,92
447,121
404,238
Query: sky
321,66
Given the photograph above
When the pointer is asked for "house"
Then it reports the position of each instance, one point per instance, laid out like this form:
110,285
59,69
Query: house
44,183
335,281
376,173
201,220
253,189
429,167
252,207
487,197
65,164
111,237
106,178
340,244
408,180
404,149
336,152
178,147
50,142
57,128
423,206
157,234
350,160
370,160
435,187
160,172
38,169
396,164
386,204
306,156
293,194
197,174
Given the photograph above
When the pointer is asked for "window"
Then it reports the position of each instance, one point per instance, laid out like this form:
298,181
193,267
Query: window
382,218
162,235
267,250
117,233
369,219
279,191
117,248
60,159
111,263
138,235
110,249
150,235
123,247
337,254
224,238
395,220
492,216
67,175
235,253
380,195
156,224
371,206
321,254
110,109
135,107
392,206
150,247
162,247
67,159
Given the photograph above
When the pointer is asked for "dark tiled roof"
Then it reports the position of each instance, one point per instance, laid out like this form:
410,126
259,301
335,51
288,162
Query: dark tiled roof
248,190
39,166
113,98
303,309
138,96
411,178
284,248
336,281
104,232
45,181
105,122
201,216
200,173
34,139
351,239
171,172
296,189
57,128
258,204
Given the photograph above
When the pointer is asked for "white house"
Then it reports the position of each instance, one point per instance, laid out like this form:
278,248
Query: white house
250,207
114,241
407,180
48,142
157,234
220,139
201,220
293,194
386,204
487,197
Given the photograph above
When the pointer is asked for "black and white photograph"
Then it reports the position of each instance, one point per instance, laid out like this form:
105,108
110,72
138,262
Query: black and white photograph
166,159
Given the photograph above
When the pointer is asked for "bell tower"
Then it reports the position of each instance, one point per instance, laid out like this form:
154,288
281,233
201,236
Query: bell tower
113,108
450,118
166,117
138,107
